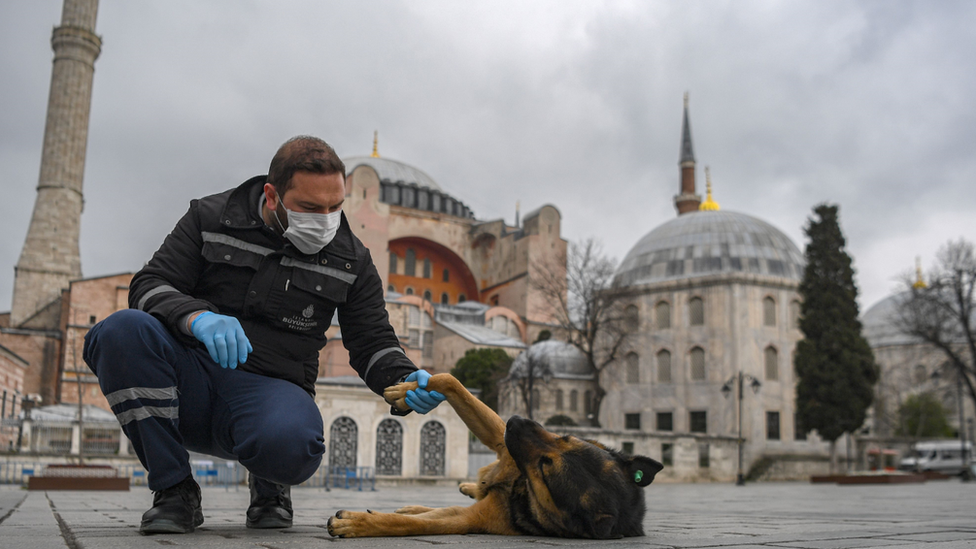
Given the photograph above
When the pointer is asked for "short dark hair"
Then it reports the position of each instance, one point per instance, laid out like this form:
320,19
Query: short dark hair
303,153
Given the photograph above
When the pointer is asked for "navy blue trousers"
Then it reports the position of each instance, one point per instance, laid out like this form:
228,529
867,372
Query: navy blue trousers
171,398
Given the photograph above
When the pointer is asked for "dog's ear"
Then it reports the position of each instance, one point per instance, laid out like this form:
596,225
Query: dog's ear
642,469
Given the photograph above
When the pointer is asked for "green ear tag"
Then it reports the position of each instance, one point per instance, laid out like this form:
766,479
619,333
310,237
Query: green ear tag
638,476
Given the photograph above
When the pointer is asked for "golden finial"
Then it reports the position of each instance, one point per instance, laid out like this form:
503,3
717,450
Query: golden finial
376,153
708,204
919,281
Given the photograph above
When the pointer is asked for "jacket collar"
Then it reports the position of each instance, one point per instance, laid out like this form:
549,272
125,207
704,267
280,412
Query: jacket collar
241,212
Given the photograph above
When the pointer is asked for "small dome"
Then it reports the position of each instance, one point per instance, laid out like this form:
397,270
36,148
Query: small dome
878,323
561,359
709,242
392,171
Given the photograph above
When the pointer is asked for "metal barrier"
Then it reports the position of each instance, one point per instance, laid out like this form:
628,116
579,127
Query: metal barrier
350,477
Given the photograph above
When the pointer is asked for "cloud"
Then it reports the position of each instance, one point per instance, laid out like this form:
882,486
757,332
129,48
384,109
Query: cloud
578,104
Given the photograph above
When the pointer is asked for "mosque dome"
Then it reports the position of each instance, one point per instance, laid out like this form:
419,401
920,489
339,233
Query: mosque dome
404,185
710,242
392,171
878,323
562,359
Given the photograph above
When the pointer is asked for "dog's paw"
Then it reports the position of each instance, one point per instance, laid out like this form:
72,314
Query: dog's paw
469,489
396,395
412,510
348,524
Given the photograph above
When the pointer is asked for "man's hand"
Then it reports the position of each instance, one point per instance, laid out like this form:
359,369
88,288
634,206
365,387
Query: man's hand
224,338
421,400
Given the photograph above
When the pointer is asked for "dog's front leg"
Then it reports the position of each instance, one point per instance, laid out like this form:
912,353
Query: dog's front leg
480,419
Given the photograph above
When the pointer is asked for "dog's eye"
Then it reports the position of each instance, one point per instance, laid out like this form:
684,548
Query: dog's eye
544,462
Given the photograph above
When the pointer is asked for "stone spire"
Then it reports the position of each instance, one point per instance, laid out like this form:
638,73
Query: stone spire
50,257
687,201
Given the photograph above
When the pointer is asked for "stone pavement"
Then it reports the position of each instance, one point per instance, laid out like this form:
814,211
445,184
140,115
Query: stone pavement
935,515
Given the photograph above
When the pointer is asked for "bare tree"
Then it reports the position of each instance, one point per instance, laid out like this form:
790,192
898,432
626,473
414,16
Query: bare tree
531,367
942,312
587,310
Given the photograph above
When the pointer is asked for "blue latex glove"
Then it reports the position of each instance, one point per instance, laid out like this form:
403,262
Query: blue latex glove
421,400
224,338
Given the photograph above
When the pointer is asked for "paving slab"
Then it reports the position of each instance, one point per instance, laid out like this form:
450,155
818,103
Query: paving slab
934,515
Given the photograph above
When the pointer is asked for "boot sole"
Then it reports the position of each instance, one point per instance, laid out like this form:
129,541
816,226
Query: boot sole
268,522
167,526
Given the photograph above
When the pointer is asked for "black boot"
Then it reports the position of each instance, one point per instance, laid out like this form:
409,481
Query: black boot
270,504
175,510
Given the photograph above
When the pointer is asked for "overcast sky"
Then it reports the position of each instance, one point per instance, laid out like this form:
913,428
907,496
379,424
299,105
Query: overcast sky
869,105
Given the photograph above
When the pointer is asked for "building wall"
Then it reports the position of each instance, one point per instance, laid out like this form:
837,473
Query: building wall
89,301
906,370
368,410
12,371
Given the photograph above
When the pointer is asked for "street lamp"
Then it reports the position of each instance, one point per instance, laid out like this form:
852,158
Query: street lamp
737,380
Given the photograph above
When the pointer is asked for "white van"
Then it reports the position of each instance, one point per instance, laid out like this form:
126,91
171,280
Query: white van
943,456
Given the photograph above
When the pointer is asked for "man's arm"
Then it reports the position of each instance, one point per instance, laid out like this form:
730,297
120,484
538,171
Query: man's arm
163,287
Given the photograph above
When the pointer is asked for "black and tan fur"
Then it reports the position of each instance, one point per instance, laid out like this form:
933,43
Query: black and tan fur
542,484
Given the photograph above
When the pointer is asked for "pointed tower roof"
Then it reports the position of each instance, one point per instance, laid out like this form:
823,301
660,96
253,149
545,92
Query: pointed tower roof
687,153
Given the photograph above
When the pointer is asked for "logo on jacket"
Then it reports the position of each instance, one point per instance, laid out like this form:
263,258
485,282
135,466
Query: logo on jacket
308,311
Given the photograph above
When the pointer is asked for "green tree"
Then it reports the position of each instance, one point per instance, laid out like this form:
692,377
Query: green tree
922,416
834,362
481,369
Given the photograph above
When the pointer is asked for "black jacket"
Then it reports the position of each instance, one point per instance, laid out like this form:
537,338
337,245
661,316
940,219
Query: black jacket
221,257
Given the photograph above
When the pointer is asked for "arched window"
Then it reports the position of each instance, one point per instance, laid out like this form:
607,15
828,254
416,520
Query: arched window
795,315
427,268
588,402
461,298
772,364
664,366
697,356
559,400
662,315
410,263
393,262
769,312
409,290
427,295
389,448
633,368
447,276
444,299
573,398
631,318
433,442
696,312
391,288
343,443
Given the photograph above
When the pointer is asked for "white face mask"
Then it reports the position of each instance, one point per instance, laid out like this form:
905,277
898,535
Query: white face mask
309,232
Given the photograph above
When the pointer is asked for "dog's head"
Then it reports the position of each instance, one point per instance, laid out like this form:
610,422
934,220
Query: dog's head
575,488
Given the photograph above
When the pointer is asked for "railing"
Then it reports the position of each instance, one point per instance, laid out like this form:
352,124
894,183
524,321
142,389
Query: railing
207,473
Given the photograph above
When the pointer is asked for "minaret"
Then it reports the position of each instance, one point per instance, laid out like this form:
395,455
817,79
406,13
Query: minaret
50,257
687,200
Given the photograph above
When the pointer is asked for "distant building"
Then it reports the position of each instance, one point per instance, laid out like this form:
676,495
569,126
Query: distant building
708,294
908,366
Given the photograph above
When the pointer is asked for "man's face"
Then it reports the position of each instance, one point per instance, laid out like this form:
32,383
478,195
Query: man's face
309,192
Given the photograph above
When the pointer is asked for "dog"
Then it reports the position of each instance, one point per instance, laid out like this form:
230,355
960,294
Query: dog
542,484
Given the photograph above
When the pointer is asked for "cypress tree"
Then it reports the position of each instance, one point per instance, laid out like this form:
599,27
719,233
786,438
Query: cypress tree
834,363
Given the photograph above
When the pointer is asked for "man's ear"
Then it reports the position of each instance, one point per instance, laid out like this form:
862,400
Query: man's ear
642,470
270,196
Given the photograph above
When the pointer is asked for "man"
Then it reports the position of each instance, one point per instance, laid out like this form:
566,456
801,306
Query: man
218,352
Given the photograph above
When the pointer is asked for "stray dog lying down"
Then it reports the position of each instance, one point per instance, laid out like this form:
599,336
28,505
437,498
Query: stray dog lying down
541,485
